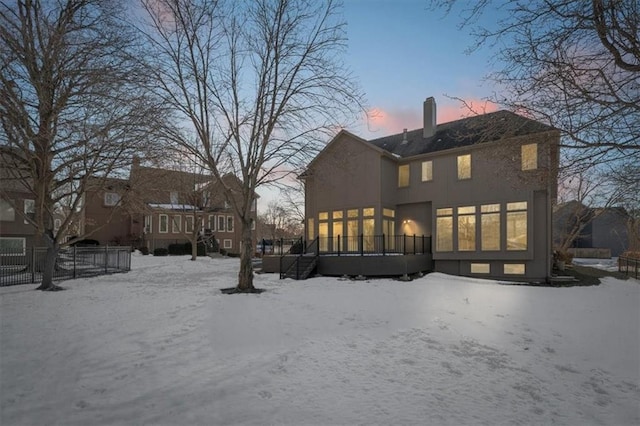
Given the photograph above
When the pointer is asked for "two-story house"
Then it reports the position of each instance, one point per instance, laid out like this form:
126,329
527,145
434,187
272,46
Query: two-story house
157,207
482,188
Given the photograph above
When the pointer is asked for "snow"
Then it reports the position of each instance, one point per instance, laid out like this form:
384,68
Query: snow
610,265
161,345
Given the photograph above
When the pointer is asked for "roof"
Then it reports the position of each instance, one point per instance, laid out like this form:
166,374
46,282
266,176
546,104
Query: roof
460,133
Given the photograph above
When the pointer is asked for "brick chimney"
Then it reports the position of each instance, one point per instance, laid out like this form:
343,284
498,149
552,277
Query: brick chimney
429,111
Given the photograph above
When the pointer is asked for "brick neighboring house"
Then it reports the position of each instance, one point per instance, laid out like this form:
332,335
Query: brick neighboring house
156,207
15,234
482,188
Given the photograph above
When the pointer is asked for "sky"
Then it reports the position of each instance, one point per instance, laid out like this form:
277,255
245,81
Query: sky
402,52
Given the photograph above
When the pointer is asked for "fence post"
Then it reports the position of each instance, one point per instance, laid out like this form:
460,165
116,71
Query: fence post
106,255
339,245
414,244
33,264
361,244
383,245
404,244
74,262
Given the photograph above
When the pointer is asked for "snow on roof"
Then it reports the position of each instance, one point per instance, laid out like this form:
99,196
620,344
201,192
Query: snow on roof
173,206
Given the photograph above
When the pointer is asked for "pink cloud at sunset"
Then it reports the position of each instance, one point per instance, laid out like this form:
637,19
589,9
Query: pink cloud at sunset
390,121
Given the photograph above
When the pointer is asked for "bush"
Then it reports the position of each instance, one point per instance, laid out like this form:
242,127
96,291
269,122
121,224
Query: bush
161,252
144,250
202,249
223,252
176,249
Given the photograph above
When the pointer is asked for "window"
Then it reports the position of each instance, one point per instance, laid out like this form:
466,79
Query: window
352,233
12,246
310,229
212,222
368,212
164,224
111,199
323,216
323,236
444,229
403,176
427,171
467,228
29,209
464,166
517,226
353,213
221,224
174,197
490,227
480,268
337,228
176,224
188,224
147,224
254,204
229,223
368,228
253,224
389,227
7,212
57,223
228,244
529,156
514,269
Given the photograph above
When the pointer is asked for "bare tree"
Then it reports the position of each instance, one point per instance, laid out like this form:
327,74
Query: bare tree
72,107
573,64
261,84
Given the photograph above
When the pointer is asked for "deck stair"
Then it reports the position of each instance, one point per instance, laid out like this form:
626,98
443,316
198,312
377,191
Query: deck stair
302,268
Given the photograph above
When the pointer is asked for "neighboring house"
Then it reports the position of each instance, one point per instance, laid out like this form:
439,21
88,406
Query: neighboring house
592,228
16,234
157,207
482,188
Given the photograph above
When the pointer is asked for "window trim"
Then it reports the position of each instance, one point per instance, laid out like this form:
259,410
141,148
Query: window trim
107,199
222,221
227,243
176,225
147,224
230,224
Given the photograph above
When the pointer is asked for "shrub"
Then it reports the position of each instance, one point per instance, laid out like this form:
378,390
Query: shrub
202,249
144,250
223,252
160,252
176,249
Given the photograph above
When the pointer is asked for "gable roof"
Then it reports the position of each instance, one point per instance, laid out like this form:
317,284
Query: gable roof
460,133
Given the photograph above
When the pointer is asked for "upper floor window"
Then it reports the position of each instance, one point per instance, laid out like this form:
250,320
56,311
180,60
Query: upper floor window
464,166
6,211
529,156
29,209
221,224
229,223
57,223
174,197
111,198
403,175
427,171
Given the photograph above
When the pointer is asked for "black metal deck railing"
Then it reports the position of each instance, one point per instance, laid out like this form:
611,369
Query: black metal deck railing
629,266
374,244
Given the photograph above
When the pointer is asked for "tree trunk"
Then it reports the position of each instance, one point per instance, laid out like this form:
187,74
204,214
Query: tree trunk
53,248
245,276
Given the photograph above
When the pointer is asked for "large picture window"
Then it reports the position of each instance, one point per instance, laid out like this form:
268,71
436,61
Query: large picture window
490,227
444,229
517,226
467,228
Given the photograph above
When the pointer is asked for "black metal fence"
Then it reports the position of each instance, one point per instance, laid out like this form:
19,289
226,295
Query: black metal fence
629,266
72,262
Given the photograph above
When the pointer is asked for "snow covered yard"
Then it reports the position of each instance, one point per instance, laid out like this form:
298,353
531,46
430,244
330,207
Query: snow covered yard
161,345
